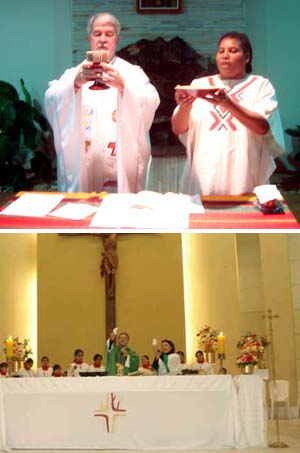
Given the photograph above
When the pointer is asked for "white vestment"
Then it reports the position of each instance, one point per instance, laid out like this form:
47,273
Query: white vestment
44,373
174,365
92,368
223,156
206,367
76,368
122,129
25,373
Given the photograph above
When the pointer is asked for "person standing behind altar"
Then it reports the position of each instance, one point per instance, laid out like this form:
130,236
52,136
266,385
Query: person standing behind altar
166,360
200,365
102,136
121,354
145,362
78,364
57,371
145,368
232,134
3,369
183,364
26,371
45,370
97,363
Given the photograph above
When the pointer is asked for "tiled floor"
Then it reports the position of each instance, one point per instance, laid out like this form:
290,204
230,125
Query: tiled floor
289,433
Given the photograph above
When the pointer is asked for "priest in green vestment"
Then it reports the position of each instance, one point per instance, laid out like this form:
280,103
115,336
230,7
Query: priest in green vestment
120,353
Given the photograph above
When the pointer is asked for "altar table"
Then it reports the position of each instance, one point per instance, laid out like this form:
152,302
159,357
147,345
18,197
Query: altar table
145,412
221,212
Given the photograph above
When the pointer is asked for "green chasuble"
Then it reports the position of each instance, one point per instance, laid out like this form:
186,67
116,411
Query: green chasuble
114,356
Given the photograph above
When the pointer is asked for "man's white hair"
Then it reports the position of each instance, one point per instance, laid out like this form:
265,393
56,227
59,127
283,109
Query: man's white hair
110,19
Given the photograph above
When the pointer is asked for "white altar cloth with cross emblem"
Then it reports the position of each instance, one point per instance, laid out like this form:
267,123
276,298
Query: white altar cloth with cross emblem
145,412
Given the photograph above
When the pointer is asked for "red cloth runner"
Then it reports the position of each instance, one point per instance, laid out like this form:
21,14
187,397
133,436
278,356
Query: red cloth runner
221,212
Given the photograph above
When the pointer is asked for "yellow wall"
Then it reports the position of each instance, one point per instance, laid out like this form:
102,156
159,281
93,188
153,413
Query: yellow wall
150,289
18,287
294,261
71,293
268,266
70,296
278,297
252,305
230,280
211,289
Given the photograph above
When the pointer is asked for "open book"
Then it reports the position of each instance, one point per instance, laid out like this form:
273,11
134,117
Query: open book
147,209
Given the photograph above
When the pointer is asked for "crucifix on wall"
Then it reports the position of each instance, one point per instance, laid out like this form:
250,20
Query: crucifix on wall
108,270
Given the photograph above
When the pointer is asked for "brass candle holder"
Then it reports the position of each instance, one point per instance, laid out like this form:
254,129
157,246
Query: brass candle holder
9,360
270,317
221,357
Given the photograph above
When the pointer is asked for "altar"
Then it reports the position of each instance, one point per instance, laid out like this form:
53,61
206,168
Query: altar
221,212
145,412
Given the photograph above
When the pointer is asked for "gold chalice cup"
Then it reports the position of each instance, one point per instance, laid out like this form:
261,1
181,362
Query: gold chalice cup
98,57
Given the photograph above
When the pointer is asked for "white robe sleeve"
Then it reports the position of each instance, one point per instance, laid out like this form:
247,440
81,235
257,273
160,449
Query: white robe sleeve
267,106
63,110
174,364
135,114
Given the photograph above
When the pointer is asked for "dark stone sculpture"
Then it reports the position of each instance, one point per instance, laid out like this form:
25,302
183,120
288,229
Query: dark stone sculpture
167,64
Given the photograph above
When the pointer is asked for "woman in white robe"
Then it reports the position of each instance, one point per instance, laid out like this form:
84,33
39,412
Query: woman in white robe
233,133
166,360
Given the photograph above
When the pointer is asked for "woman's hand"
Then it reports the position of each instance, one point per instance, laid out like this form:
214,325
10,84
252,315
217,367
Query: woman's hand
157,354
180,119
251,120
219,97
184,100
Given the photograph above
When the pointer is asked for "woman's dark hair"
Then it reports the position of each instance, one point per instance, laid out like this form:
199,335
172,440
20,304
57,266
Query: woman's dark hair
172,346
146,356
97,356
78,351
245,44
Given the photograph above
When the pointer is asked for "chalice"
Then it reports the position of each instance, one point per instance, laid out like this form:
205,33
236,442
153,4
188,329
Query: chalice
120,369
98,57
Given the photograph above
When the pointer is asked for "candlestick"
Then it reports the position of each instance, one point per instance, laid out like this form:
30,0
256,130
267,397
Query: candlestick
221,358
221,343
270,317
10,366
9,347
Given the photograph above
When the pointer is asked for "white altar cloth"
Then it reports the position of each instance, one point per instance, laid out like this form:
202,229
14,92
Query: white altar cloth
150,412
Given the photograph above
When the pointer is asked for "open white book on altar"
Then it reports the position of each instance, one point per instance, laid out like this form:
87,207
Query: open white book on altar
147,209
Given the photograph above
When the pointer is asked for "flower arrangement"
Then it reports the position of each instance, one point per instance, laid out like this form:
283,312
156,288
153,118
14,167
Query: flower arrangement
246,359
21,348
208,339
253,347
251,342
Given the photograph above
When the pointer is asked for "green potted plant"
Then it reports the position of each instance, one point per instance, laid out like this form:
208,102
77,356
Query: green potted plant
26,142
295,133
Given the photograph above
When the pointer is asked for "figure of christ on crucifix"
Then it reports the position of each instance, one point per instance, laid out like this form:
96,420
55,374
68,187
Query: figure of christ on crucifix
117,350
108,269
